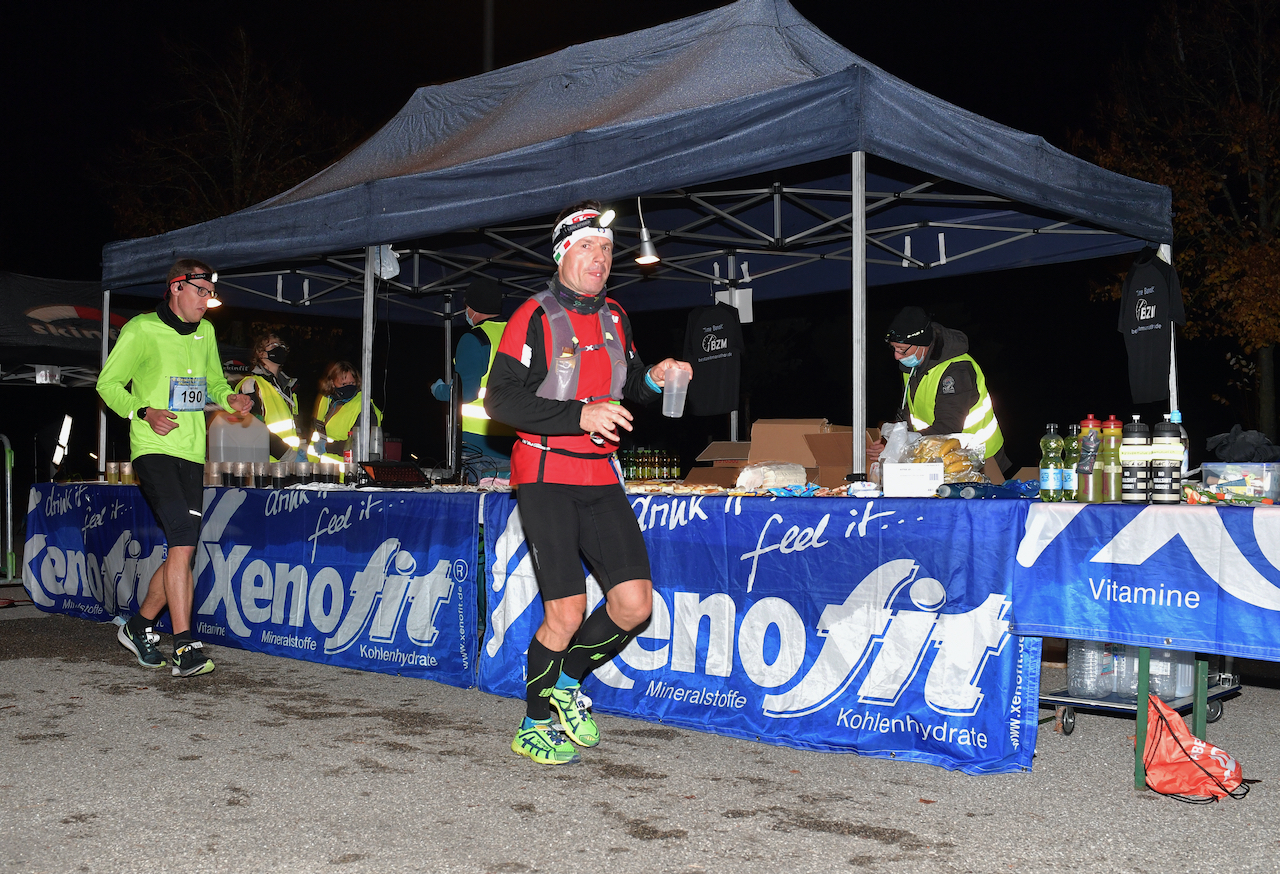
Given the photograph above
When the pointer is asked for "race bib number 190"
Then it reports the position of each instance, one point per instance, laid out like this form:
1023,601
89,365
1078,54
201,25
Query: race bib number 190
186,393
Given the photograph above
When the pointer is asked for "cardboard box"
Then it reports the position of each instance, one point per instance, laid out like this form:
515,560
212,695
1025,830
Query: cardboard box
724,453
726,459
783,440
725,477
911,480
833,452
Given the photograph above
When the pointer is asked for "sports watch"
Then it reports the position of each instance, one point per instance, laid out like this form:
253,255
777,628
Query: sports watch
142,412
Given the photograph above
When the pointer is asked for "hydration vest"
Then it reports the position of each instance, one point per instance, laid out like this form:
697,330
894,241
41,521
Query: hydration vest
561,382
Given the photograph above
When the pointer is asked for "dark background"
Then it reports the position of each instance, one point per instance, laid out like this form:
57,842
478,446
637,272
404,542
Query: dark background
77,77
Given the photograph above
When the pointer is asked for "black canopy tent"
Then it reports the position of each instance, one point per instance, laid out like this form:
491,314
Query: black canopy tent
732,124
51,330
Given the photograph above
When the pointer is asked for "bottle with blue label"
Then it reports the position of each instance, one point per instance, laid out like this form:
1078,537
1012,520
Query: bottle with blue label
1051,446
1070,458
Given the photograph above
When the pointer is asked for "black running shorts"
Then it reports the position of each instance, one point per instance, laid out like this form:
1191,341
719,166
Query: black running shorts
561,521
174,489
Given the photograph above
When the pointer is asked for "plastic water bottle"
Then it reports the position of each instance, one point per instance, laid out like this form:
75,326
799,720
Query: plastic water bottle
1166,462
1135,462
1051,464
1070,458
1171,673
1090,669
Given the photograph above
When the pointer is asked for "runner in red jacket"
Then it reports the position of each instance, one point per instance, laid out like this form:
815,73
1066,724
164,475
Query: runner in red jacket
565,363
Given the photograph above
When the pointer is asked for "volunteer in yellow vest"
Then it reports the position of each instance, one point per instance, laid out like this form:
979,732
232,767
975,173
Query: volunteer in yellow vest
274,400
471,362
944,390
337,410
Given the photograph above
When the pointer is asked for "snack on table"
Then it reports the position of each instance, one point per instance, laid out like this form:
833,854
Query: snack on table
771,475
959,465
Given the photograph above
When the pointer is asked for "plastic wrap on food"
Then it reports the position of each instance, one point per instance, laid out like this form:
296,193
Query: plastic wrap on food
771,475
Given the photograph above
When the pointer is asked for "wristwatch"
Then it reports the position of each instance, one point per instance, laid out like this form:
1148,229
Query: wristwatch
142,413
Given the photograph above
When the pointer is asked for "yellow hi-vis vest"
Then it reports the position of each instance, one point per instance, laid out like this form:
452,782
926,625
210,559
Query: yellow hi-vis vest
981,419
474,418
333,427
278,412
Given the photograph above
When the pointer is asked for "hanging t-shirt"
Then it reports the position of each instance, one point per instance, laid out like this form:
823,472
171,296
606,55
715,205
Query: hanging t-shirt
1150,304
713,345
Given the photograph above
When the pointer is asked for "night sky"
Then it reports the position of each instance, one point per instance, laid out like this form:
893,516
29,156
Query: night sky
78,76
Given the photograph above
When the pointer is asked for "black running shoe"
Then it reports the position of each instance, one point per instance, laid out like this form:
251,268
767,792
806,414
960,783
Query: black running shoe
143,646
189,661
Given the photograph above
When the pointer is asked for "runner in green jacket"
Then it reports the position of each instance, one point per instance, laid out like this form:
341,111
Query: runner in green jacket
163,370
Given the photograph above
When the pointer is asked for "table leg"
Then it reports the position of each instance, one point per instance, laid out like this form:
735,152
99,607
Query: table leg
1140,741
1201,705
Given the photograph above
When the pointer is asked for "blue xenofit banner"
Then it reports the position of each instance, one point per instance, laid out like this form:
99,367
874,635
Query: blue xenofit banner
382,581
1194,578
872,626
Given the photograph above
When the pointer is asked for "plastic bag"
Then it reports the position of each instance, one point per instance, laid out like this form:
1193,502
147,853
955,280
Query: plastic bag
895,436
1183,766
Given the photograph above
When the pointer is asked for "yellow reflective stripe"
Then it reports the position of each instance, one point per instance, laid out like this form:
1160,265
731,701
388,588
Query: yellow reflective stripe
984,434
918,423
482,392
282,425
978,413
474,411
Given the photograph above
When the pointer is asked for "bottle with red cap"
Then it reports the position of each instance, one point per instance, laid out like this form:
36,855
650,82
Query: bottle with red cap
1109,458
1088,468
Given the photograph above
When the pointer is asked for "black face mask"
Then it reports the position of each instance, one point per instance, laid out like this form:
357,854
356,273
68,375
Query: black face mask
278,355
344,393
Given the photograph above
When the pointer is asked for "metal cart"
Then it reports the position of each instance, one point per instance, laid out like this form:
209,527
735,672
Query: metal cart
1205,703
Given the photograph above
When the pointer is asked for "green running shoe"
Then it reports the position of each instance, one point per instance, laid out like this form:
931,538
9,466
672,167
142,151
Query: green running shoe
575,718
189,661
543,743
143,646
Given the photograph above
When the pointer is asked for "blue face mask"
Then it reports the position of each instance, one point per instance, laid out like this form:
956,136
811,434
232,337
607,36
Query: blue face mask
911,361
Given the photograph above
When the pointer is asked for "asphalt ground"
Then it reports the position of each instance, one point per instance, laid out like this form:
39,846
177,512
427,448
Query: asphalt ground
270,764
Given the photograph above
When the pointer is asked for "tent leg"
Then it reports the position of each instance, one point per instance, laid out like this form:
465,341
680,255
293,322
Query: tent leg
1165,254
858,261
102,408
366,354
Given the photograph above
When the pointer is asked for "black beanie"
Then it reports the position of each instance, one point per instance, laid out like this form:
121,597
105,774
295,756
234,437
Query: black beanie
484,295
911,326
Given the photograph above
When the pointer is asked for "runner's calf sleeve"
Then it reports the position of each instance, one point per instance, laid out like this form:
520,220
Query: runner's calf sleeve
543,671
598,640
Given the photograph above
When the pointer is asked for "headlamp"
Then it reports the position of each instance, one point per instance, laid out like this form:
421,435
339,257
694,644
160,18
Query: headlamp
580,222
187,277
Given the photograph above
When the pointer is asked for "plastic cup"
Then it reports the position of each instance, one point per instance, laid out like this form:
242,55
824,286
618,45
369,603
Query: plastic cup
113,473
675,385
126,473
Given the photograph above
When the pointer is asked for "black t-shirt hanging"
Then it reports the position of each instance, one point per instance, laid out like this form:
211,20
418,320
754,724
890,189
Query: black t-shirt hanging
713,345
1150,304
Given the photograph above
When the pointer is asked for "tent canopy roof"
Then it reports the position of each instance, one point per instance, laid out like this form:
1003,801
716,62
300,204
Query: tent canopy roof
743,91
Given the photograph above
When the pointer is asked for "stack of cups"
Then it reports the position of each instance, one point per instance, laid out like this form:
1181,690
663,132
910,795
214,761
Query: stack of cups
302,470
279,474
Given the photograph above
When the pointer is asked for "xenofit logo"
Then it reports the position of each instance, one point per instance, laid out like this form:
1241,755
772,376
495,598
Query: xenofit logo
887,631
383,597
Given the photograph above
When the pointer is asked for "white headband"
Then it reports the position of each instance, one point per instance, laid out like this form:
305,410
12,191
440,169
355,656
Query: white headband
561,241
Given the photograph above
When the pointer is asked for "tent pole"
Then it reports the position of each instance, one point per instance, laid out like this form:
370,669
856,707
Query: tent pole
1165,253
366,353
858,269
102,408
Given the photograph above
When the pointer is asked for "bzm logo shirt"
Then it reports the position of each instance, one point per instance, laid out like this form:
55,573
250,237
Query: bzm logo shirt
1150,304
713,345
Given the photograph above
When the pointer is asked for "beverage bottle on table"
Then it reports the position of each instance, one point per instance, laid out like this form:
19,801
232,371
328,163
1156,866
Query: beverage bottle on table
1166,462
1135,462
1109,459
1176,418
1088,468
1051,464
1070,458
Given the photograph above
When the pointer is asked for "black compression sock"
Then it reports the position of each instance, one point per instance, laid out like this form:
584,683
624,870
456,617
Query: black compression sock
138,623
181,640
544,670
597,641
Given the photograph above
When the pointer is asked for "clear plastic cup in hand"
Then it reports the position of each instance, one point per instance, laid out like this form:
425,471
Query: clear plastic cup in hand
675,385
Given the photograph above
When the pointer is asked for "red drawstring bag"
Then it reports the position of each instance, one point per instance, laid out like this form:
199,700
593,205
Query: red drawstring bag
1184,766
